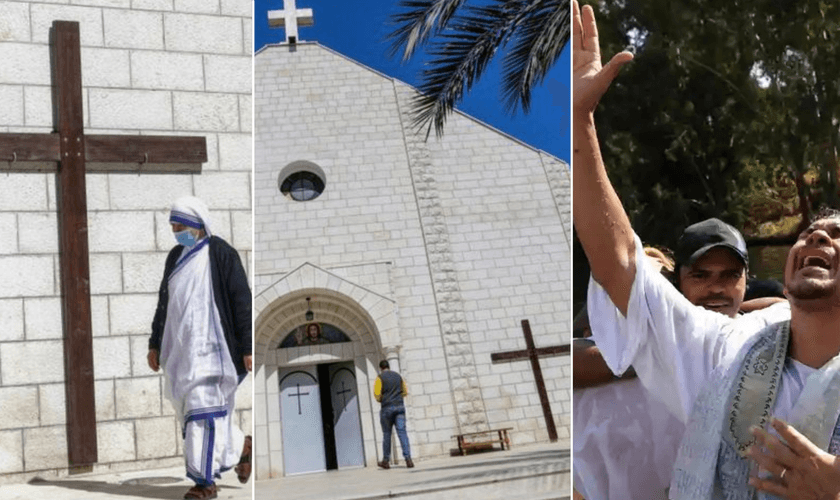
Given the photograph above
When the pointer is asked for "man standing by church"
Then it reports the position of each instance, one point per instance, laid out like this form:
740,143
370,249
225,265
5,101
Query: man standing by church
729,375
201,336
390,389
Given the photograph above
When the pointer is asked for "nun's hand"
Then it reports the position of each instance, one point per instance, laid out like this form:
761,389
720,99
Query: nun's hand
154,359
248,362
801,471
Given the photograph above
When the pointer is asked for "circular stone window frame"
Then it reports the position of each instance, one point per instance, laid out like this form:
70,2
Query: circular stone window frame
301,166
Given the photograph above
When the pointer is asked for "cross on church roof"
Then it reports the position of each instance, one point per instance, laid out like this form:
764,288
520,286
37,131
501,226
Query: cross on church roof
289,18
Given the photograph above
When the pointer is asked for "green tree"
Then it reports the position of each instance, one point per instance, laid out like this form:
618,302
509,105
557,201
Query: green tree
717,86
730,109
464,37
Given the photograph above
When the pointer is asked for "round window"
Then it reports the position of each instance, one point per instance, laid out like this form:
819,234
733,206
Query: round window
302,186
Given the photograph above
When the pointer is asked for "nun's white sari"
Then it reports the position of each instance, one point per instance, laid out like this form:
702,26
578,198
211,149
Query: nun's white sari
200,376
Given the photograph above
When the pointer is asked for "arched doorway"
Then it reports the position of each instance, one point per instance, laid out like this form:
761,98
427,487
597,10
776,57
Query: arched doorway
319,406
343,372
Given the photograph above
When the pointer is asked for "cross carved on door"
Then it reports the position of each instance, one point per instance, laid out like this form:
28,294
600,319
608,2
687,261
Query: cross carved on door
69,153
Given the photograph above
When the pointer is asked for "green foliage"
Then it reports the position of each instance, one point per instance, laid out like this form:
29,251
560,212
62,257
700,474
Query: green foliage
725,110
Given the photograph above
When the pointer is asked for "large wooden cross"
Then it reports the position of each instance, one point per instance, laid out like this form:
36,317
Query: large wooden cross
534,354
289,18
68,151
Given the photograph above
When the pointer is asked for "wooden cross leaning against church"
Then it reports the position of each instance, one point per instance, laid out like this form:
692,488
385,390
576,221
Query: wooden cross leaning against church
70,153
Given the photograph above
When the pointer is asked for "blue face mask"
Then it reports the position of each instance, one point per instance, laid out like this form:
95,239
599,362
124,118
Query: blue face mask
185,238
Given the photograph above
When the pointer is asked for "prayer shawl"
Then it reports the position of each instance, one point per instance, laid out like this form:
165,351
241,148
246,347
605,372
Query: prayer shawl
200,376
741,394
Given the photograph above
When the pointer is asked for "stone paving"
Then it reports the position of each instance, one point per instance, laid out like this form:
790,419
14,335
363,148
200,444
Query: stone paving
535,472
169,483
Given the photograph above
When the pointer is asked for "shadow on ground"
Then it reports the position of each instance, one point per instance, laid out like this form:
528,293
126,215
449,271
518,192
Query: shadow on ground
147,487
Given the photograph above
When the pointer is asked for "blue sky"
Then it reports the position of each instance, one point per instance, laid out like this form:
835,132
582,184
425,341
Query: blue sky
358,29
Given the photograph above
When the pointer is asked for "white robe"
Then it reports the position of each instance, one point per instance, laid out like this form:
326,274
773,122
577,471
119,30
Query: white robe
674,345
200,378
625,442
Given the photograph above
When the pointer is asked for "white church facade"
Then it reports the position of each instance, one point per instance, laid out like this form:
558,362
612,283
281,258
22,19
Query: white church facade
148,67
428,253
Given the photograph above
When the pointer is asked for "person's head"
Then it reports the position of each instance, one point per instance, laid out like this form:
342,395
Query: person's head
313,330
190,220
384,365
811,271
711,266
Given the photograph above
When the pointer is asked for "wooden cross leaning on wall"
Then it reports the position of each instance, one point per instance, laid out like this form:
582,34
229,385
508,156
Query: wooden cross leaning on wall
69,153
533,353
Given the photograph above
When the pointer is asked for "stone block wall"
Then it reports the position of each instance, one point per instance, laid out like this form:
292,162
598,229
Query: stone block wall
474,230
149,67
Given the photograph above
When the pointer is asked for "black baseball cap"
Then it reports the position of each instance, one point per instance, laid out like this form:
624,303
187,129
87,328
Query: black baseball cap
697,239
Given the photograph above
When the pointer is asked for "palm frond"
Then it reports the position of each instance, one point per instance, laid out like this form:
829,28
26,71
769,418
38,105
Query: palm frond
421,20
540,37
459,58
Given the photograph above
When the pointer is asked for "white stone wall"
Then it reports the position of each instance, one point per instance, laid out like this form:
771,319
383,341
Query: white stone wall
162,67
474,231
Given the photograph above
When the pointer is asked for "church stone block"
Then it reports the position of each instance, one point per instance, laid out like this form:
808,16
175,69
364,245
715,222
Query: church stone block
43,318
14,21
23,64
105,404
197,6
139,351
156,437
245,111
51,403
137,397
12,98
133,29
224,189
242,230
89,18
148,191
11,317
45,448
235,151
27,276
102,226
142,272
105,273
11,451
97,189
241,8
227,74
115,441
8,227
20,407
166,70
159,5
32,362
23,191
200,33
198,111
105,68
111,357
133,314
38,232
138,109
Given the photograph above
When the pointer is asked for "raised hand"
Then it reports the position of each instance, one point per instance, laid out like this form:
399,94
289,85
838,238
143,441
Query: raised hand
589,79
801,471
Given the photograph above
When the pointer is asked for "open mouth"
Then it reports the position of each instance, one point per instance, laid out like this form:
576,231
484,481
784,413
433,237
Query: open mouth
816,261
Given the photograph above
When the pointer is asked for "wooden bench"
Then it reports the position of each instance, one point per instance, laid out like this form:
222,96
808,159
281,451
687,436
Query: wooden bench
483,439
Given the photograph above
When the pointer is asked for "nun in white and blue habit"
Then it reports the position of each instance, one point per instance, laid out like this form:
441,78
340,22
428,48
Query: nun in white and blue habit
201,337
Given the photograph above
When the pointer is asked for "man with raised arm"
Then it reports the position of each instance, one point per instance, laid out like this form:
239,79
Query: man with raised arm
723,376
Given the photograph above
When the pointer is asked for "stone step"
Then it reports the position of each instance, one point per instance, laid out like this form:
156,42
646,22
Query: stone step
537,472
